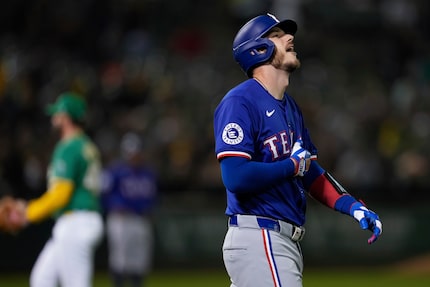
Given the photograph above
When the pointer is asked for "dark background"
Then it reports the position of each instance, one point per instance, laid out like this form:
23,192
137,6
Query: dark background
160,67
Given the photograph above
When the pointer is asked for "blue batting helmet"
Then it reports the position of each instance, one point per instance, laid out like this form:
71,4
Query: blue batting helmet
250,48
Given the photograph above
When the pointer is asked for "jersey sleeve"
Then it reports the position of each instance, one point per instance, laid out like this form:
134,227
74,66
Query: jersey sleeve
107,181
233,128
65,164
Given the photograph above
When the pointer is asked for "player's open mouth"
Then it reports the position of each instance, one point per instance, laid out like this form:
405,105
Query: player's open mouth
290,49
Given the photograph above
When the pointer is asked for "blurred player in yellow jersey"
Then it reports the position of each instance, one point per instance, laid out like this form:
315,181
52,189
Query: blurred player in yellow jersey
72,198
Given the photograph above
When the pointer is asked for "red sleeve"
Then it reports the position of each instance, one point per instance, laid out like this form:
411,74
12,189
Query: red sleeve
324,191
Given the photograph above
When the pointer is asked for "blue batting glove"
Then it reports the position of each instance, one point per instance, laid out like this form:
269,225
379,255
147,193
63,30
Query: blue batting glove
301,158
367,219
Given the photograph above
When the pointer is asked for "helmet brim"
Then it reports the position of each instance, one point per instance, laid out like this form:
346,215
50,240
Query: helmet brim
288,26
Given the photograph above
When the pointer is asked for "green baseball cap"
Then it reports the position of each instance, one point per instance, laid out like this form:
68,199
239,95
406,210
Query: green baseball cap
71,103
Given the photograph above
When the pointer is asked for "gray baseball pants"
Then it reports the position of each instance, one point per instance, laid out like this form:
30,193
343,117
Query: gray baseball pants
255,256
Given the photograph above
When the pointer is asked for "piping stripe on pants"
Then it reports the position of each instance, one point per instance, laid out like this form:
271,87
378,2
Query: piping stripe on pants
270,257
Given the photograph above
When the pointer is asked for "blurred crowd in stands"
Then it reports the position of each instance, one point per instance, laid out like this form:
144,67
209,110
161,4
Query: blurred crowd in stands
159,68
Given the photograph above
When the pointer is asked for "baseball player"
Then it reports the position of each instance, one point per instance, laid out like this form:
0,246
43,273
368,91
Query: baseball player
268,163
129,196
72,199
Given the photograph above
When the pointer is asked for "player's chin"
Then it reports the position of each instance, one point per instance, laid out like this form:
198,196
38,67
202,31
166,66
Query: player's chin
292,66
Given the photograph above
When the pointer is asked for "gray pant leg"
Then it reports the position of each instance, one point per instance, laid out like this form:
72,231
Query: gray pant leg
259,258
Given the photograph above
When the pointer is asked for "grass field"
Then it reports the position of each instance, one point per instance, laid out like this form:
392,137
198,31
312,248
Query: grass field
217,278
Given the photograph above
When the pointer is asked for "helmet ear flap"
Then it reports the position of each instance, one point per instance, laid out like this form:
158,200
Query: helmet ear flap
254,53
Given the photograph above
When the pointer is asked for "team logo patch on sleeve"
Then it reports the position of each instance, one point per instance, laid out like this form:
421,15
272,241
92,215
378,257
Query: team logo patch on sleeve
232,134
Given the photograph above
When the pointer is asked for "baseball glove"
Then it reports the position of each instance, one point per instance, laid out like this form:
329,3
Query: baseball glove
12,214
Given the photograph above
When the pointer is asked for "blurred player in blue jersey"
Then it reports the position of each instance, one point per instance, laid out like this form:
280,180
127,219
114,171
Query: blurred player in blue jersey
129,197
269,163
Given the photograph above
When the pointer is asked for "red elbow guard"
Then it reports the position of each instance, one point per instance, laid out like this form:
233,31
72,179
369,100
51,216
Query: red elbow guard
326,190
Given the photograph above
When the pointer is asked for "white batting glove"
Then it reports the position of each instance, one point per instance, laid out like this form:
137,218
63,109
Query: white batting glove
301,158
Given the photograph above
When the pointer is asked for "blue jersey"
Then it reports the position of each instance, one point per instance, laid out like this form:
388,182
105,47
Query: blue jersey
251,123
129,189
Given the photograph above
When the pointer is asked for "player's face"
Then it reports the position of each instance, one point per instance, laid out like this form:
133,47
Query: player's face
285,57
58,120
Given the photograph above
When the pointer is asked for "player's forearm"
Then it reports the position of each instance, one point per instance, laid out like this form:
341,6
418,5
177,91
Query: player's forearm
52,200
324,188
242,175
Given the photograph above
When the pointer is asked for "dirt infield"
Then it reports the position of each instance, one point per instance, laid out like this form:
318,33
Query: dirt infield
415,265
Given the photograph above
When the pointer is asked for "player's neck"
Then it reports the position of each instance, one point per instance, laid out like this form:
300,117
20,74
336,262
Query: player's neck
70,131
274,83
